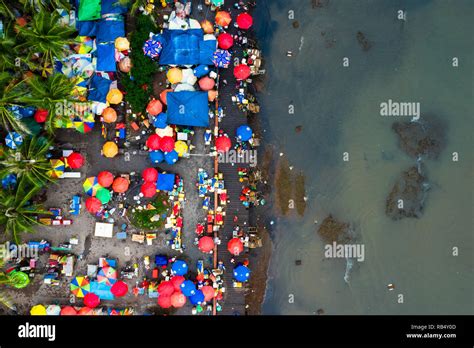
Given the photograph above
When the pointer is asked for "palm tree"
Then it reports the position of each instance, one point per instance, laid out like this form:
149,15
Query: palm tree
8,49
11,91
51,94
32,6
5,299
46,36
5,10
17,213
29,161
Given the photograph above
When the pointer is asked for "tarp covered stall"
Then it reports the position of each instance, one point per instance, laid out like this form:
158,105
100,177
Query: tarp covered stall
104,229
109,30
165,182
112,6
98,89
186,47
188,108
106,57
102,290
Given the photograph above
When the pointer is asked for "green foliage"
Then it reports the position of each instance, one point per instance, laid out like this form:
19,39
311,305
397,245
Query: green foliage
17,213
11,91
139,88
142,218
29,161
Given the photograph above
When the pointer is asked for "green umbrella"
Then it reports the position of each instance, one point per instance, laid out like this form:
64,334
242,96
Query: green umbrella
103,195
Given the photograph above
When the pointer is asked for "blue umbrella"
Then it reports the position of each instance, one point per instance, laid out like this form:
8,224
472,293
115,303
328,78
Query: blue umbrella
241,273
160,121
221,58
201,70
197,298
156,156
244,133
152,48
161,260
188,288
171,157
13,140
9,181
179,267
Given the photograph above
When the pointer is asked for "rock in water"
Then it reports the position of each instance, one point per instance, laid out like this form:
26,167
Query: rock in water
423,138
332,230
407,196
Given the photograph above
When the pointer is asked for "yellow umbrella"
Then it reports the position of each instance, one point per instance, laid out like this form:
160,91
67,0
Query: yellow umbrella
122,44
110,149
174,75
114,96
181,148
57,170
38,310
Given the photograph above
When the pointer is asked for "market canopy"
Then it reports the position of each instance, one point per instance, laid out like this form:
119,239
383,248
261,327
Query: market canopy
165,182
185,47
241,273
188,108
179,268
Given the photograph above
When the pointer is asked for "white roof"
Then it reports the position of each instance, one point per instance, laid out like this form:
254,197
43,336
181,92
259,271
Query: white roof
104,229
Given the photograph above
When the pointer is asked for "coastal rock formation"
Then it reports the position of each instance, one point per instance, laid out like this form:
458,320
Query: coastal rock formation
363,42
407,196
332,230
424,138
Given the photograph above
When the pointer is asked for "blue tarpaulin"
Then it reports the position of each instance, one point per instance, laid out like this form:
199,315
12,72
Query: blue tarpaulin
186,47
86,28
102,290
161,260
109,30
165,182
112,6
98,89
106,57
188,108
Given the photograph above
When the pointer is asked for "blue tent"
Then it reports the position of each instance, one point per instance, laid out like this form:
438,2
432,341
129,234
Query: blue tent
188,108
156,156
160,120
165,182
161,260
241,273
102,290
98,89
171,157
109,30
179,267
244,133
197,298
188,288
106,57
185,47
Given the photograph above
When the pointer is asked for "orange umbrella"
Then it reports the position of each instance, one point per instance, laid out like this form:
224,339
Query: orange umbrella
109,115
206,83
163,95
105,178
114,96
207,27
154,107
85,311
208,292
125,65
120,185
206,244
110,149
68,310
178,300
212,95
223,18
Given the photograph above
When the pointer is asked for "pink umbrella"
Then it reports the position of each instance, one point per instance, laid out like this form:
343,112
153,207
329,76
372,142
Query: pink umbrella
208,292
178,300
206,83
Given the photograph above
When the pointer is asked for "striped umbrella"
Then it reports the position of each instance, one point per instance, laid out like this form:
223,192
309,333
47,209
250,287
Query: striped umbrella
221,58
57,168
13,140
82,126
152,48
91,186
107,275
80,286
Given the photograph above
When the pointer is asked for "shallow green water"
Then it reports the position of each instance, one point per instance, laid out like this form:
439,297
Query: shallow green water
339,110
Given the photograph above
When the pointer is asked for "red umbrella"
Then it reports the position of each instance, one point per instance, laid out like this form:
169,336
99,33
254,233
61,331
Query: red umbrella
150,175
223,144
206,244
241,72
105,178
178,300
148,189
167,144
164,301
119,288
75,160
244,21
93,205
120,185
91,300
206,83
177,281
153,142
235,246
208,292
41,115
225,41
68,310
166,288
154,107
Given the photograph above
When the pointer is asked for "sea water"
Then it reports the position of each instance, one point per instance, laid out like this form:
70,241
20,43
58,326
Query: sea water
410,59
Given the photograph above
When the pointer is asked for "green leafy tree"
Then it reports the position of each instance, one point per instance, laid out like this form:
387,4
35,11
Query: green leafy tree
32,6
5,280
29,161
17,213
8,49
11,92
